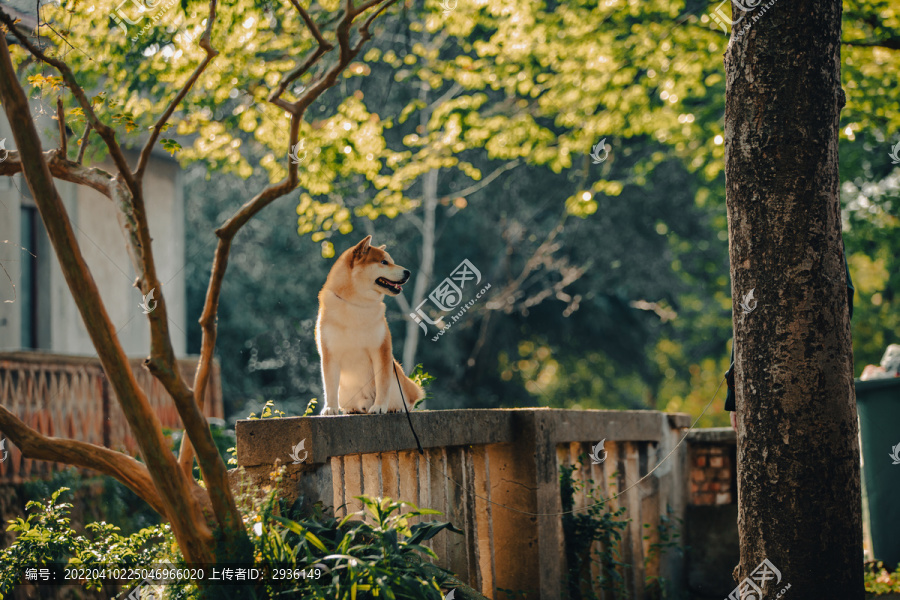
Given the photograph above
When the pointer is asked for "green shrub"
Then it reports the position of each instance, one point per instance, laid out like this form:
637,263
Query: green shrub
342,559
600,525
45,536
349,558
582,529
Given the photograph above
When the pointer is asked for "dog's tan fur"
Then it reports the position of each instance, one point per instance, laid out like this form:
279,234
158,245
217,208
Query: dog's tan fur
353,338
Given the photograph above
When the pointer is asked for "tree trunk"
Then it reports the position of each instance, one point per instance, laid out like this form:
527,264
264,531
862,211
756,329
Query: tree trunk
426,267
798,454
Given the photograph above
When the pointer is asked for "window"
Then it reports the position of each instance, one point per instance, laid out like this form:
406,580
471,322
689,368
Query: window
28,283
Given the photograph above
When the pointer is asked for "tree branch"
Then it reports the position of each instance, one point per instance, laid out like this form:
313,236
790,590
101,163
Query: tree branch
157,128
187,518
61,119
311,25
74,172
271,193
293,74
890,44
82,454
106,133
84,143
481,184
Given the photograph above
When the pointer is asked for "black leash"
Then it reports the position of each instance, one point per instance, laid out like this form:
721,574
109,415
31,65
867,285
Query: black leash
408,418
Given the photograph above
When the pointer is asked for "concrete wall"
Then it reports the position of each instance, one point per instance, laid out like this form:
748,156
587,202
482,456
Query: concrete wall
495,474
94,218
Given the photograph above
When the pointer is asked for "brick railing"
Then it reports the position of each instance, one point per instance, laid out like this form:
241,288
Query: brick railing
69,396
495,475
713,472
711,516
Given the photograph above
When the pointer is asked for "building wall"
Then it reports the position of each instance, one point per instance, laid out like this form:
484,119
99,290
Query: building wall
59,325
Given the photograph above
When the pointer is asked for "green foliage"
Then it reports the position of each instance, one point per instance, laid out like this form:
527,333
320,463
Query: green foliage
269,412
600,525
343,559
114,503
421,376
879,580
45,536
582,529
380,556
310,407
667,534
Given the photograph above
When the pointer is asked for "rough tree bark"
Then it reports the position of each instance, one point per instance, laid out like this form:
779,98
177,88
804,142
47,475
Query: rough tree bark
798,455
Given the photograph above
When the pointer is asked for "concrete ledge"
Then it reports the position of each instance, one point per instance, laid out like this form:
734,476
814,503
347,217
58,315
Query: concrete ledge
262,441
713,435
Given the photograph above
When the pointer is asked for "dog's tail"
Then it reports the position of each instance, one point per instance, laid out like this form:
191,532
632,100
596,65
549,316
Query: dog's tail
412,391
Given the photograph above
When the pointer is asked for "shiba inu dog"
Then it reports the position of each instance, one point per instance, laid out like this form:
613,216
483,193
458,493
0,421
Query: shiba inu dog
359,372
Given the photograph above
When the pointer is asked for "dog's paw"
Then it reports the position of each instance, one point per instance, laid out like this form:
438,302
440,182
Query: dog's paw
329,411
385,409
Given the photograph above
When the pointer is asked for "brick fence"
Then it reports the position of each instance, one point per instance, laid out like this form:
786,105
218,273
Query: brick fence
69,396
712,459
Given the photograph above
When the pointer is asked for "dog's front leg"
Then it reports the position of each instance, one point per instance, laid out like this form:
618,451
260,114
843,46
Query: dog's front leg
382,361
331,380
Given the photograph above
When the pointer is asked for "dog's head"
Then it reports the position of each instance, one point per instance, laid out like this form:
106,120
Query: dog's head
373,270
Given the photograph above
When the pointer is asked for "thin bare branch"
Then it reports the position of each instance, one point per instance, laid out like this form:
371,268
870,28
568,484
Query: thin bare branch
481,184
84,142
313,28
449,95
61,119
364,34
157,128
293,74
226,234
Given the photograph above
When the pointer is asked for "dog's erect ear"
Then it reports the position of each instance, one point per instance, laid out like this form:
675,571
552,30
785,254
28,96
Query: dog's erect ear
362,248
382,247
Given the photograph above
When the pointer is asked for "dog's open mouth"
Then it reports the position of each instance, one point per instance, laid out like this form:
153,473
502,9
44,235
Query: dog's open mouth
393,286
